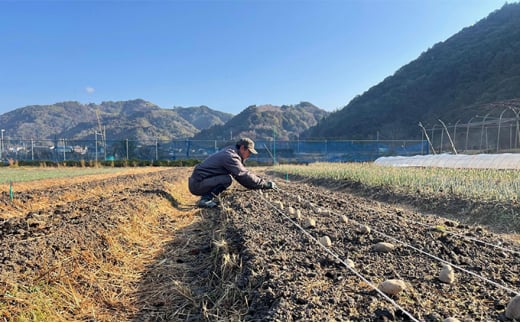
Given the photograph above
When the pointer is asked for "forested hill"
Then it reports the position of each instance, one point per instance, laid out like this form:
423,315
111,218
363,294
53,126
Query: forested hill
132,119
284,122
451,81
203,117
143,120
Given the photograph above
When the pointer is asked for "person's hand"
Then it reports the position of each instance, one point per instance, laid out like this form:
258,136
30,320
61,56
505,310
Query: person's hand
272,185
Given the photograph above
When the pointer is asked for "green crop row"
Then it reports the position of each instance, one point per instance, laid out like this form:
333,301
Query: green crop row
26,174
480,184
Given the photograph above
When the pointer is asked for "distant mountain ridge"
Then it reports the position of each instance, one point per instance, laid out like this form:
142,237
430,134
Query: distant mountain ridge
203,117
284,122
133,119
142,120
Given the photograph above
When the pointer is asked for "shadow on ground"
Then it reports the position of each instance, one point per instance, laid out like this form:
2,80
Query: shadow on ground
199,276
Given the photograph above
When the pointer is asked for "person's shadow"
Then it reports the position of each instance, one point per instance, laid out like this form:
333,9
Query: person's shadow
199,276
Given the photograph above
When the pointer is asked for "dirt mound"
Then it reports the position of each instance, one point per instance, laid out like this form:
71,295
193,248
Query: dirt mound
292,276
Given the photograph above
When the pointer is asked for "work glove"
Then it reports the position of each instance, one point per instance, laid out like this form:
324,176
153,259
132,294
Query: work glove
272,185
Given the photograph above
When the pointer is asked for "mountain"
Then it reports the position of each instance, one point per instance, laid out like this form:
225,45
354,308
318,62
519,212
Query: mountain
203,117
144,121
454,80
133,119
285,122
472,73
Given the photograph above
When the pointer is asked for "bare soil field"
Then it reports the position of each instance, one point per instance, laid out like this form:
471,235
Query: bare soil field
134,247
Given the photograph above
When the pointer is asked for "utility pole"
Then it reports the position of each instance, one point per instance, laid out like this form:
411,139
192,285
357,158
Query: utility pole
95,135
156,150
64,155
274,146
2,145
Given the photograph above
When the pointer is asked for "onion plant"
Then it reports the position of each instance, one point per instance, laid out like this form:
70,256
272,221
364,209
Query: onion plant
480,184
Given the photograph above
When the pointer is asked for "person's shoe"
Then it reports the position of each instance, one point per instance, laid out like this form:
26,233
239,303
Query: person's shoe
207,203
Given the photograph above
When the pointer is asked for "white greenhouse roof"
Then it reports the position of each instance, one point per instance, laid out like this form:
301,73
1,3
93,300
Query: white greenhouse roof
493,161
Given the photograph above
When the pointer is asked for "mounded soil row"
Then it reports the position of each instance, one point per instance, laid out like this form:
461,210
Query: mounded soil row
296,279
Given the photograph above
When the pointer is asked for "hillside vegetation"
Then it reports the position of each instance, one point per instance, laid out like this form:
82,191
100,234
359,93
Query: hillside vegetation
133,119
454,80
265,121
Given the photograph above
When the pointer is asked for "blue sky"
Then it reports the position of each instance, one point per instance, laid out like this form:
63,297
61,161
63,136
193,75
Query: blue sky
223,54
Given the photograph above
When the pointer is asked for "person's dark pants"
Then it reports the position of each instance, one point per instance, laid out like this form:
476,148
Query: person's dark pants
209,187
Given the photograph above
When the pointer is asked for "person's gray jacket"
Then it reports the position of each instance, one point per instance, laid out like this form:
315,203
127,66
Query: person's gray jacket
228,162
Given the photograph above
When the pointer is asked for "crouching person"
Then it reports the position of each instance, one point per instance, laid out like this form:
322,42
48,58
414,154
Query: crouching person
216,173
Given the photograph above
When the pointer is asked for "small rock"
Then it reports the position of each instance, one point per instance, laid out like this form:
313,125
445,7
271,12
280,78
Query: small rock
344,218
447,274
279,204
392,286
513,308
365,229
310,223
291,210
383,247
350,263
325,212
325,240
451,319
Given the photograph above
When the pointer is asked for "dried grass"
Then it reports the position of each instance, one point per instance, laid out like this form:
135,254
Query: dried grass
203,286
164,261
98,278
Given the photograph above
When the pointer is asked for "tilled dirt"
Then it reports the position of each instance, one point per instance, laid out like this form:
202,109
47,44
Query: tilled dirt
61,222
255,259
57,257
297,279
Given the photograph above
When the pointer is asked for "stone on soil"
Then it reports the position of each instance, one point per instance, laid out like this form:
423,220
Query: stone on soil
364,229
447,274
325,212
392,286
513,308
310,223
325,240
384,247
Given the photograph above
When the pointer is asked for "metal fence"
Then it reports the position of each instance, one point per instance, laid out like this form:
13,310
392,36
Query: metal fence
496,132
269,151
